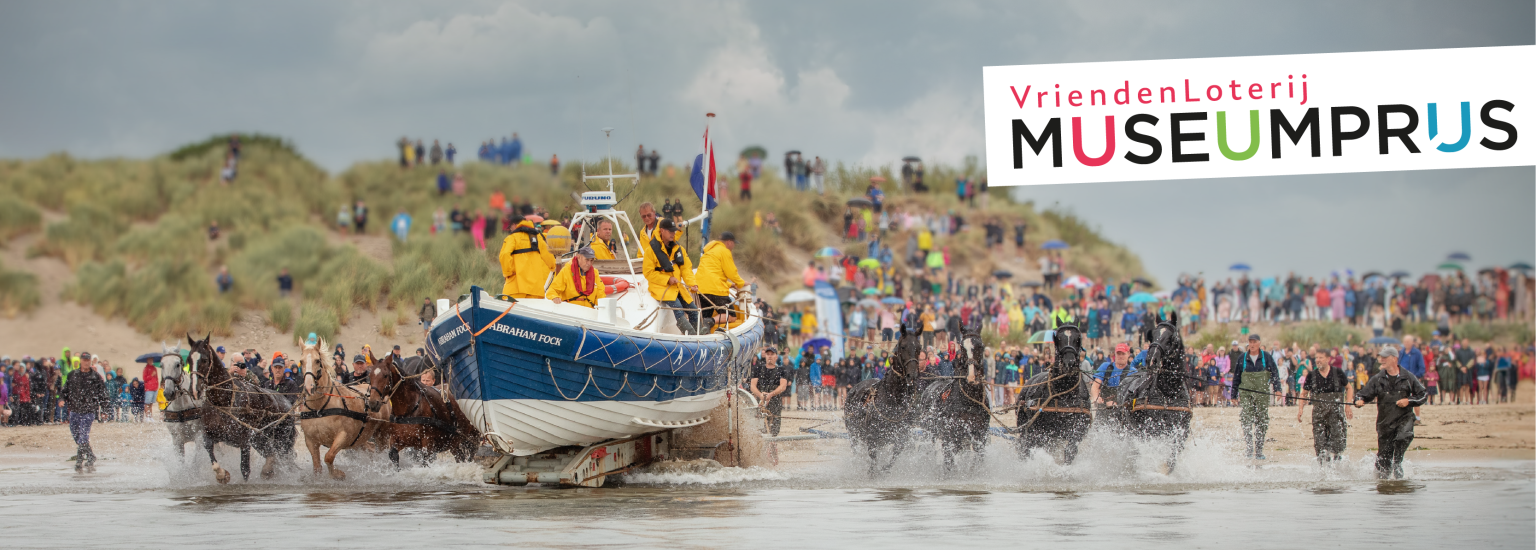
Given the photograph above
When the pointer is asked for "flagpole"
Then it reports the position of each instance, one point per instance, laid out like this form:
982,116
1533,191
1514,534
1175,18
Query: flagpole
706,168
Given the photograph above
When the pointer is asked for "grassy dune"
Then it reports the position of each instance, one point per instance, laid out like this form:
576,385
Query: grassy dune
135,232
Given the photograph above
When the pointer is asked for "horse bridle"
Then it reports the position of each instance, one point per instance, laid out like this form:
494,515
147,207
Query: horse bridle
374,406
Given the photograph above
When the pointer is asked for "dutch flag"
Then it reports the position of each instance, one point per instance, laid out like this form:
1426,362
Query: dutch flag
703,176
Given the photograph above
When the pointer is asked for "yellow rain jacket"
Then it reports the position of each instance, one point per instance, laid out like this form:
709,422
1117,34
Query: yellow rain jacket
717,271
673,262
525,262
646,236
602,250
566,288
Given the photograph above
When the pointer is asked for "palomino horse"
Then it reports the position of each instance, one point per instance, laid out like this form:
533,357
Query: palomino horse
241,415
184,401
881,412
1156,397
419,416
954,410
330,414
1053,406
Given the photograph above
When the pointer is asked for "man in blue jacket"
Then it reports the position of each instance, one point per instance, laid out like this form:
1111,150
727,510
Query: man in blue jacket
1255,379
1412,360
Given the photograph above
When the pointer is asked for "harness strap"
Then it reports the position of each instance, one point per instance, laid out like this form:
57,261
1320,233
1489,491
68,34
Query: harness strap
355,415
184,415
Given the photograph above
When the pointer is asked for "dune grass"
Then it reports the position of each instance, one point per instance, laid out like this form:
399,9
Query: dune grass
1330,335
136,231
18,292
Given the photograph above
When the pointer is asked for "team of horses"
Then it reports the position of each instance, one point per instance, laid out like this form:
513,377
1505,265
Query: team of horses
1053,413
392,411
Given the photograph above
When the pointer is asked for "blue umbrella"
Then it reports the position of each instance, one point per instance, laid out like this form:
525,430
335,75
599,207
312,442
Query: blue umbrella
1400,274
1384,340
1458,256
1240,267
149,357
1141,298
828,252
816,343
1054,244
892,300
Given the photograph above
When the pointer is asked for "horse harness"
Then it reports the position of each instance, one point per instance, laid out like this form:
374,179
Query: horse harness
185,415
409,418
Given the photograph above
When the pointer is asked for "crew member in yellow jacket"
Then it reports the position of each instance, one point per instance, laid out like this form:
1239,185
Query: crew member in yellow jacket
717,276
602,240
525,261
669,274
649,225
578,282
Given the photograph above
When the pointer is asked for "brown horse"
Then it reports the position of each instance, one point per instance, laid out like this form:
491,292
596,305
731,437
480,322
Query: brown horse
241,415
419,416
331,415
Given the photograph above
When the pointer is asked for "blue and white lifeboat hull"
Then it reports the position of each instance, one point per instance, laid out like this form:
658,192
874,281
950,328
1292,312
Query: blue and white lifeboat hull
535,376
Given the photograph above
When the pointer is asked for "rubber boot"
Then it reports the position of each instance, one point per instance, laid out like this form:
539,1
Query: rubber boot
685,327
79,459
706,325
1248,439
1258,447
90,459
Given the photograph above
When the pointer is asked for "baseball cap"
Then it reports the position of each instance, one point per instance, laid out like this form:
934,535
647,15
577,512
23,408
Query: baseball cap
85,355
219,349
1253,337
771,350
1122,346
1234,342
358,359
1387,351
668,225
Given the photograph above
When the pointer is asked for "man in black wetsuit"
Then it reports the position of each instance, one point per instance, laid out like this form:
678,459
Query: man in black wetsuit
768,385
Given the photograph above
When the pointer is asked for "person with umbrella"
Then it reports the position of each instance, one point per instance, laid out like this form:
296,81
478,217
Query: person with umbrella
151,378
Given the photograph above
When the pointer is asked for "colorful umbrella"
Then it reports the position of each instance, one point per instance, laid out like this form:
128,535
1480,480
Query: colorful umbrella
799,296
1384,340
871,291
1077,281
1520,266
1141,298
149,357
892,301
1453,266
1041,337
869,302
870,263
816,343
1459,257
1240,267
828,252
1054,244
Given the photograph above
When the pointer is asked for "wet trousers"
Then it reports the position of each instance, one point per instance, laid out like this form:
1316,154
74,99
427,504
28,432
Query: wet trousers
1389,454
80,429
1329,428
774,409
1253,395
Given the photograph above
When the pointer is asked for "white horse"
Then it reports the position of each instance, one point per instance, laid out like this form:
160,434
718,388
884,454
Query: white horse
184,402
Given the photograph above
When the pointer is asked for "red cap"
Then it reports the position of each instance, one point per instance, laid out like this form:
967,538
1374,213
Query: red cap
1122,346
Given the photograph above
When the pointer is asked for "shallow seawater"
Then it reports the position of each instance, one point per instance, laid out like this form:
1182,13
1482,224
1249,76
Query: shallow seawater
1110,497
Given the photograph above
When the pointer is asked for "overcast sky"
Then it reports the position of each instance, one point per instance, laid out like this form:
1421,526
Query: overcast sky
861,82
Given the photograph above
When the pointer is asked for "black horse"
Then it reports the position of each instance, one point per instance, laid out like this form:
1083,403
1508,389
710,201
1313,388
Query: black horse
1156,398
241,415
1053,406
880,413
954,411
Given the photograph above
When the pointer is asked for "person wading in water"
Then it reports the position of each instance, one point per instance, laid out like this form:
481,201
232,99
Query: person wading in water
1330,418
1396,392
1255,379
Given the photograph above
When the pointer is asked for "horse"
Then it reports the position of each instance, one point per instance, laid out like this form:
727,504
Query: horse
1156,398
240,414
183,413
880,412
330,414
1053,406
419,416
954,411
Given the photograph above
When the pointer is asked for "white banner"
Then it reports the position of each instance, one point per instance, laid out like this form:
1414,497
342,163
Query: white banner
1260,116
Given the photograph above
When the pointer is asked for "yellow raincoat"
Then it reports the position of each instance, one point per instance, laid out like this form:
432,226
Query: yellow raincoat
602,250
525,262
678,265
565,287
717,271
